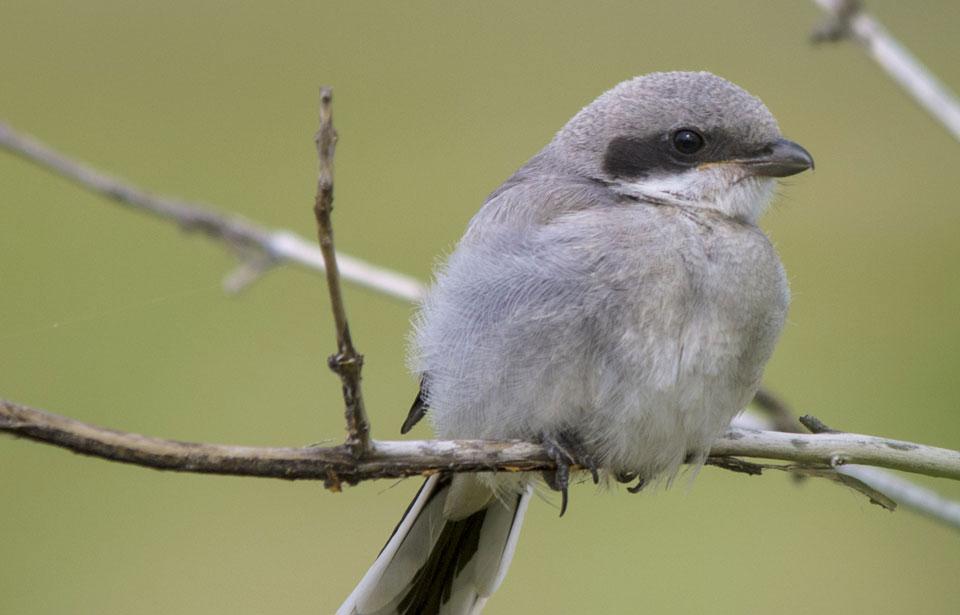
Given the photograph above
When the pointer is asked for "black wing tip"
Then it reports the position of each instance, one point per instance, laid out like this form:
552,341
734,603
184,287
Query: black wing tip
412,420
417,411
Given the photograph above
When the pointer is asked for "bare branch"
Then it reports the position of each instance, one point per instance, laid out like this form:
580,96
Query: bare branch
813,452
894,488
848,20
840,449
330,464
347,363
923,500
251,241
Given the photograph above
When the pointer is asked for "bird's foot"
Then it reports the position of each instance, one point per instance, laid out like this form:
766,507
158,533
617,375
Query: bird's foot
567,451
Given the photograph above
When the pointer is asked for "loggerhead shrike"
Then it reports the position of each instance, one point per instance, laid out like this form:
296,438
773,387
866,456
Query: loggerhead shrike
614,299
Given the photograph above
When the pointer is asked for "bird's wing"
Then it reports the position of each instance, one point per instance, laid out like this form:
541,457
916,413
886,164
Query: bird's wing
417,410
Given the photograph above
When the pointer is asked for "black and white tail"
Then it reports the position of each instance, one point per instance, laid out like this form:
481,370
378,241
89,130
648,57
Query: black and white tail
437,564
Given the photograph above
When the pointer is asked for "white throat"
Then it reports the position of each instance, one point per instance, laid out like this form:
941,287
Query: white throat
726,188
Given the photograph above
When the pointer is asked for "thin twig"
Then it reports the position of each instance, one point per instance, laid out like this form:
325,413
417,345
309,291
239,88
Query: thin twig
347,363
780,413
847,19
806,470
250,241
913,496
406,458
815,425
907,493
902,491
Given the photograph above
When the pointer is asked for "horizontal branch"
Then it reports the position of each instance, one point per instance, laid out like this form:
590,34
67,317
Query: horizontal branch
396,459
331,464
259,248
840,449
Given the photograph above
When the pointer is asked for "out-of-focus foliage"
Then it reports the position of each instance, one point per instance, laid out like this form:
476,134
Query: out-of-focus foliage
116,319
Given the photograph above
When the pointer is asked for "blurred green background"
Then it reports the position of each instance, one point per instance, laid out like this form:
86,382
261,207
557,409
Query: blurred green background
111,317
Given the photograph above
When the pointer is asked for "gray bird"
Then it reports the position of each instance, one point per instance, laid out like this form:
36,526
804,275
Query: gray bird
614,299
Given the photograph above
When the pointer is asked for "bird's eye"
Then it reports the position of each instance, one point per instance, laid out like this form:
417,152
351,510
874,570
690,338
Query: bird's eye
687,141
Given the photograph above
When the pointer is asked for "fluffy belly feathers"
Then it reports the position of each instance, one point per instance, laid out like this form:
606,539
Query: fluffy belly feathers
595,353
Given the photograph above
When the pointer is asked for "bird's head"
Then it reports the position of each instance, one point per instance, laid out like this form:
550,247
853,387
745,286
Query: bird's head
683,138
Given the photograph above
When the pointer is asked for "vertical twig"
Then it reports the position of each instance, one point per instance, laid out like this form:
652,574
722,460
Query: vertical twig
347,362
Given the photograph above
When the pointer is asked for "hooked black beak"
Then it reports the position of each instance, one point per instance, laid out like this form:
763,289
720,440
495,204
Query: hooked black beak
780,159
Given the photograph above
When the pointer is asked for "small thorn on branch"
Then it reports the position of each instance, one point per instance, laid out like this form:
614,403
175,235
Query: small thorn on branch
347,362
815,425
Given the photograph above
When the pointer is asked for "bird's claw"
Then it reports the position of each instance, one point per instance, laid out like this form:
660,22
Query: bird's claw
629,477
566,452
636,488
